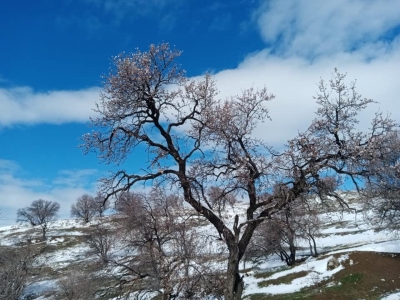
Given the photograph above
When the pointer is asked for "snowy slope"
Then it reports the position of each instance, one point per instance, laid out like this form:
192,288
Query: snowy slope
343,232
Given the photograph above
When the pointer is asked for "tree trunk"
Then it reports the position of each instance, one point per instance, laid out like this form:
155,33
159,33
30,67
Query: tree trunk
292,255
234,282
315,246
167,289
166,296
44,230
311,249
292,249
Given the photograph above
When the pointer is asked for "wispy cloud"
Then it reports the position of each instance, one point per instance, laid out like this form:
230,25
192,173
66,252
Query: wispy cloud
75,178
102,17
312,28
8,165
22,105
131,8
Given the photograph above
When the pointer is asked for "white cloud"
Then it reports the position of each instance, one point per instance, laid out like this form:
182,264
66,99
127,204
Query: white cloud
22,105
306,40
312,28
294,82
18,192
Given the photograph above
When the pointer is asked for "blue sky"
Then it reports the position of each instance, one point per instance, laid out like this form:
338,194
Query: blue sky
53,54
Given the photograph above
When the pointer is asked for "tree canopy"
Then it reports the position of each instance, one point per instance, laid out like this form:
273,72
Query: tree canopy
41,212
197,143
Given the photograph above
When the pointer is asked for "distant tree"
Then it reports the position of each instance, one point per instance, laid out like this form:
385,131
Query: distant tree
281,234
76,285
220,199
40,213
101,240
278,236
193,140
382,192
127,202
286,237
308,224
85,208
100,205
383,209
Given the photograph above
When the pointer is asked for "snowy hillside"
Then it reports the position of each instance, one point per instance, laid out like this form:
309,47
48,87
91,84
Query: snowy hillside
369,261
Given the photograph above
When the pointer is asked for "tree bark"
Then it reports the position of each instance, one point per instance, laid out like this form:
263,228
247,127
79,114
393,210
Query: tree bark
234,282
44,230
315,247
311,248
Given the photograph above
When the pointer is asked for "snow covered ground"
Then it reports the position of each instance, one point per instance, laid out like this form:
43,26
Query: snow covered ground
343,232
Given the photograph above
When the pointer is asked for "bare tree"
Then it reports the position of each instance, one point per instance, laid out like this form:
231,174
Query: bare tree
382,209
86,207
195,140
308,225
40,213
276,236
15,269
382,192
168,256
280,234
286,237
127,202
76,285
219,199
101,241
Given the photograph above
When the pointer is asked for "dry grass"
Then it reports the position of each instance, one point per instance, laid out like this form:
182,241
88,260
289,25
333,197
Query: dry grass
283,279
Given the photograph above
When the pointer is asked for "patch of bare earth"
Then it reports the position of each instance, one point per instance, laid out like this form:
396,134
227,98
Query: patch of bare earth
367,275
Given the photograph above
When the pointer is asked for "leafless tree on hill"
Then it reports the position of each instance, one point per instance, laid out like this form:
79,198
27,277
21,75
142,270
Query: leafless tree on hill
280,235
15,270
168,256
41,213
76,285
308,224
85,208
276,236
195,140
382,194
101,240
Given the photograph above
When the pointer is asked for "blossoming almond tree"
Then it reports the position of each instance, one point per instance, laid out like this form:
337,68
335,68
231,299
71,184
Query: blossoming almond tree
195,142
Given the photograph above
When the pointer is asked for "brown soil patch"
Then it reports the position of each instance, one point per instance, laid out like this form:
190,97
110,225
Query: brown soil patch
375,274
371,276
283,279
